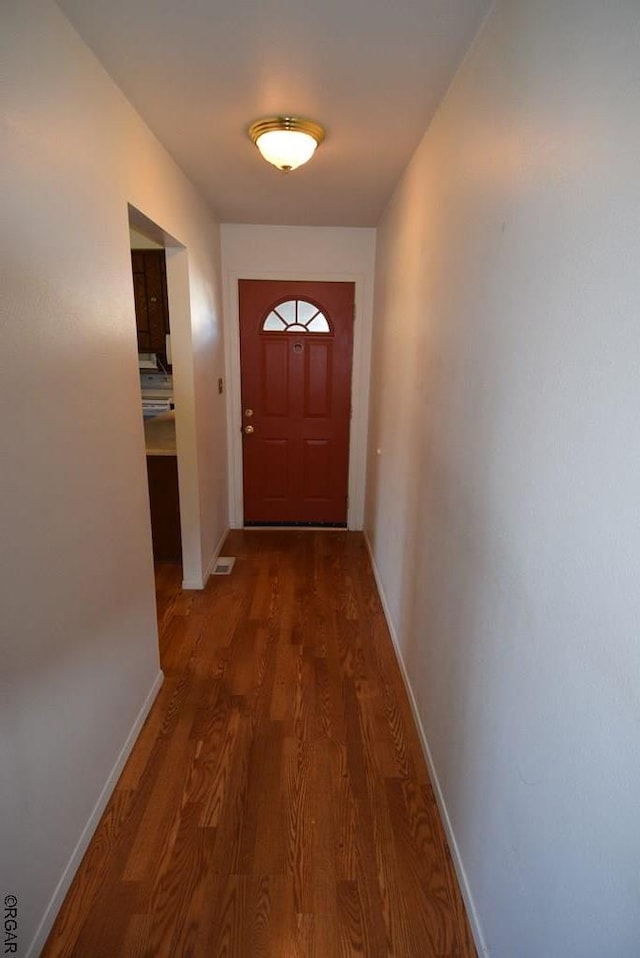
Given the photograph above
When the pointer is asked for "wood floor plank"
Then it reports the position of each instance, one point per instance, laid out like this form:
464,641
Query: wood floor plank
324,848
266,855
96,865
277,803
422,874
161,813
344,816
177,899
298,756
353,937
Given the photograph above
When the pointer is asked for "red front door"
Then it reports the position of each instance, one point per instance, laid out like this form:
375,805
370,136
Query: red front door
296,341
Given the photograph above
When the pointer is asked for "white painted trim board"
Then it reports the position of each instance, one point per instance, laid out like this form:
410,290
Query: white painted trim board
86,835
199,584
359,384
472,914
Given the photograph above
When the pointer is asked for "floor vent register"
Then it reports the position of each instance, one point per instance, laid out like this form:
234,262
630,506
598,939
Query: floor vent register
224,565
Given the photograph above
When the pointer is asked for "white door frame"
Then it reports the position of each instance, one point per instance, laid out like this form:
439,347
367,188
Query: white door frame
359,385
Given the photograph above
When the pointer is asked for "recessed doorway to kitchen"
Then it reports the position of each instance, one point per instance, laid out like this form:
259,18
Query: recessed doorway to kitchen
157,398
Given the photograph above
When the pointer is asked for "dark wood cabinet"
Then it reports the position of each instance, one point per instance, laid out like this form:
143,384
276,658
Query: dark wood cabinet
162,472
150,294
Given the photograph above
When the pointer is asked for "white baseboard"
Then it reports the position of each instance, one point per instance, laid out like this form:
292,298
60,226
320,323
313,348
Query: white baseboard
68,874
214,557
201,583
472,914
194,584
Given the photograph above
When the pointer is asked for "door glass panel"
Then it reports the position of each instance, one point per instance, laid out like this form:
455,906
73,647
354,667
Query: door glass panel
273,323
319,325
296,316
287,311
306,311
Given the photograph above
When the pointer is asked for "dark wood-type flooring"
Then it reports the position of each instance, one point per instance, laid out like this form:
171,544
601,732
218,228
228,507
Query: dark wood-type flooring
277,801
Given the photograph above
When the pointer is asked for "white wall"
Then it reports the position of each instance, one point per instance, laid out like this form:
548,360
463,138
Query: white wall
298,252
503,508
138,241
79,657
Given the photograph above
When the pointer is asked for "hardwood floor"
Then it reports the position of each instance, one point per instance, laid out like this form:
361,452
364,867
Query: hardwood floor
277,802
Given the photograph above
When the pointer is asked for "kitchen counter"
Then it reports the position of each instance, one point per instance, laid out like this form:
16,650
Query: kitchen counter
160,435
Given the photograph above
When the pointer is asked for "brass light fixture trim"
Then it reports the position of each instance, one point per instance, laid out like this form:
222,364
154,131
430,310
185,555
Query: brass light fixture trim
301,128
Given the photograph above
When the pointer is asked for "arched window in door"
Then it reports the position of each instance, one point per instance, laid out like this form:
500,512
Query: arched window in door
296,316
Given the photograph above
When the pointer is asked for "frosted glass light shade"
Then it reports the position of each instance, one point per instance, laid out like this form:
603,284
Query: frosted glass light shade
286,142
286,149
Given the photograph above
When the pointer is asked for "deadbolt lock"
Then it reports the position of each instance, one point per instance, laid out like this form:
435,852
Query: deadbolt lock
248,413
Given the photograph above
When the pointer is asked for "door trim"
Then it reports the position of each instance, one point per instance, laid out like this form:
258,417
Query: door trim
359,385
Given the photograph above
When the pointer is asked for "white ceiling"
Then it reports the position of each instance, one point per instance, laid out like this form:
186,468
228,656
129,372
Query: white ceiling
199,71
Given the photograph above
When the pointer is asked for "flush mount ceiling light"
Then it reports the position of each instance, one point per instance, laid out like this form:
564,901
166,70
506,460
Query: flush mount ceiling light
286,141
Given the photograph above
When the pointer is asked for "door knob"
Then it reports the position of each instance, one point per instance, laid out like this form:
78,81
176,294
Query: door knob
248,430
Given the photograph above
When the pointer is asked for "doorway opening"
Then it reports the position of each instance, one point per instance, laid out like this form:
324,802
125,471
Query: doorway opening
158,371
